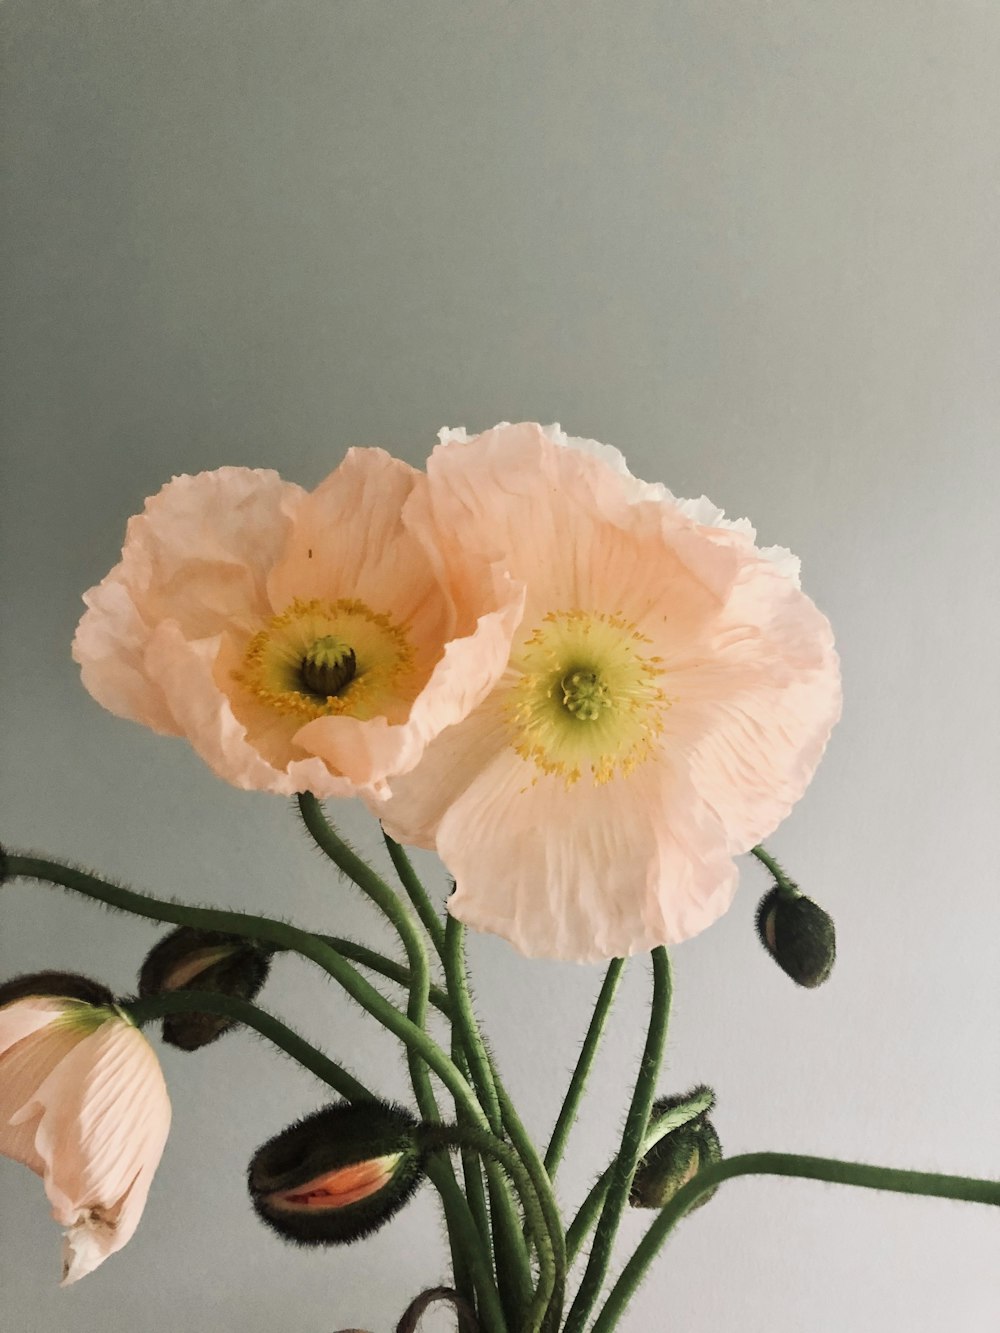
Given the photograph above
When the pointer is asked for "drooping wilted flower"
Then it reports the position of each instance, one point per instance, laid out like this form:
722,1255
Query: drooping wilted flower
669,693
300,642
202,960
84,1105
339,1174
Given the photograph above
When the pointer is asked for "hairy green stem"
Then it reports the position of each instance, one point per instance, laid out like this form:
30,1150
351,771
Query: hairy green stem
523,1144
385,967
785,883
571,1104
416,893
266,930
635,1129
385,899
963,1188
495,1149
242,1011
512,1259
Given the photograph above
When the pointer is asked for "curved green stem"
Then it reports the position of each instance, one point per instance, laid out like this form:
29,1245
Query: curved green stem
964,1188
467,1028
472,1165
494,1149
592,1204
386,900
785,883
512,1260
624,1167
242,1011
416,893
267,930
385,967
571,1104
278,934
523,1144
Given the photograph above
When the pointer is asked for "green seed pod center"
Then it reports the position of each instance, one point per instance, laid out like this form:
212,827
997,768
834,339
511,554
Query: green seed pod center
328,667
584,695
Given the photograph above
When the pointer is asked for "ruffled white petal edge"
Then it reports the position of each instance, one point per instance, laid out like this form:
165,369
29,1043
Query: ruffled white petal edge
701,510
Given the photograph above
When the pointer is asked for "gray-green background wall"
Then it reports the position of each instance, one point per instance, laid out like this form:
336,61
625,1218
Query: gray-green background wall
753,244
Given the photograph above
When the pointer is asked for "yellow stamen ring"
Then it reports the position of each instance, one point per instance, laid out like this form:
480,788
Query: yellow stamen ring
320,658
587,696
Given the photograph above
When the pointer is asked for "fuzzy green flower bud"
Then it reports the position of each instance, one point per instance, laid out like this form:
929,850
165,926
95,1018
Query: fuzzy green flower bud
798,934
202,960
339,1174
689,1145
64,985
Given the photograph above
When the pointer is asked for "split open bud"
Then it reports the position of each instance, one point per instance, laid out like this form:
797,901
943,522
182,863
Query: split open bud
203,960
687,1146
798,934
339,1174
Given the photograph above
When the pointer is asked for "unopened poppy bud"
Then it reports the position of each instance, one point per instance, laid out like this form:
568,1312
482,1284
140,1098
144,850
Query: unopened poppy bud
677,1157
799,936
339,1174
202,960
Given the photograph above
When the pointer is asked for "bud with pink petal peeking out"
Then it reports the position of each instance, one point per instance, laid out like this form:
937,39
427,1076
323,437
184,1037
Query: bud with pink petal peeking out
339,1174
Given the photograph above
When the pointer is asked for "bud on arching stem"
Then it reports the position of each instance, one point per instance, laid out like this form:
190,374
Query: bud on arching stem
205,960
799,935
680,1154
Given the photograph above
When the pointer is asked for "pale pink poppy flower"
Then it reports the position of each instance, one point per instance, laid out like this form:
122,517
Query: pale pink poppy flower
300,642
669,693
84,1105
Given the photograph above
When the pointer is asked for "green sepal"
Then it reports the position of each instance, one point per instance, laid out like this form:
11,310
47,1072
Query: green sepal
58,985
342,1135
203,960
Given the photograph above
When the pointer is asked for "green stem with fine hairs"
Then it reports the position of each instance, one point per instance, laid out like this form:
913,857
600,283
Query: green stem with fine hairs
930,1184
786,885
472,1168
385,967
525,1147
266,930
416,893
385,899
512,1260
152,1007
280,935
437,1137
628,1157
571,1104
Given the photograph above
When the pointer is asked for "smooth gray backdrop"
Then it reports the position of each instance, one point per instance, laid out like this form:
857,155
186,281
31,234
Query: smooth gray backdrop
753,244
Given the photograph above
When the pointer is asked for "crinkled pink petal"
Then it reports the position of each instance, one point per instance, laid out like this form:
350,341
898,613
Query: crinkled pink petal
205,716
349,542
745,660
582,873
21,1018
99,1111
212,561
198,556
29,1050
468,669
